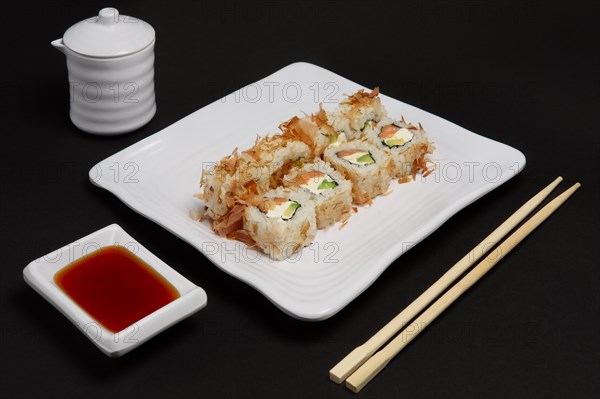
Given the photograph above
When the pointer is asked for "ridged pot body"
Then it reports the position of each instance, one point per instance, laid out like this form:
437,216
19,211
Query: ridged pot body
111,95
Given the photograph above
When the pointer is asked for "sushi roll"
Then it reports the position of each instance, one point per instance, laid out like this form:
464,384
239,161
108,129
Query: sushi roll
352,115
314,131
240,177
405,144
327,188
365,165
222,186
282,223
274,156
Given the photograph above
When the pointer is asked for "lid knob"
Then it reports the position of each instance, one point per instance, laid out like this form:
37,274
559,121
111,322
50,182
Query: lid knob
108,35
109,16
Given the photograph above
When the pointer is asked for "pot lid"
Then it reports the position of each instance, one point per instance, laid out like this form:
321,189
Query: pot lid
109,35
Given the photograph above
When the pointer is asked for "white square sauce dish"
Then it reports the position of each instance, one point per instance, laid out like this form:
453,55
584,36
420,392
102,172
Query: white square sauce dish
115,291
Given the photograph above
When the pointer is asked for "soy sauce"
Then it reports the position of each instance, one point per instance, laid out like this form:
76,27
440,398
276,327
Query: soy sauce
115,287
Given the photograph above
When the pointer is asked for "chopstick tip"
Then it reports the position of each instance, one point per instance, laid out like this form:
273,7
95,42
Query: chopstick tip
352,387
335,378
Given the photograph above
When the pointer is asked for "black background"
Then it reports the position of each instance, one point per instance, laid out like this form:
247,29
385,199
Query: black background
523,73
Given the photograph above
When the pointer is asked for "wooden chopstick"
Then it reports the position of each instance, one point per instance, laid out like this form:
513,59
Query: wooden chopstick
377,362
359,355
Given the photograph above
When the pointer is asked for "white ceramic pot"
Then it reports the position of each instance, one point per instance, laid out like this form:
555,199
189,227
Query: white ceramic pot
110,59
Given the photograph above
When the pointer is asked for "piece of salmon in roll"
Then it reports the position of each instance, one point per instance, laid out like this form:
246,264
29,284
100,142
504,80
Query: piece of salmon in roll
367,167
282,222
406,144
327,188
351,116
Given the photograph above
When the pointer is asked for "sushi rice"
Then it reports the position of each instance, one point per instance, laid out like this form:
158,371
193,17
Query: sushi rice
313,132
351,115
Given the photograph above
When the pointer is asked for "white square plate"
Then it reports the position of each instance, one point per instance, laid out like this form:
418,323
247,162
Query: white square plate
39,274
158,176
